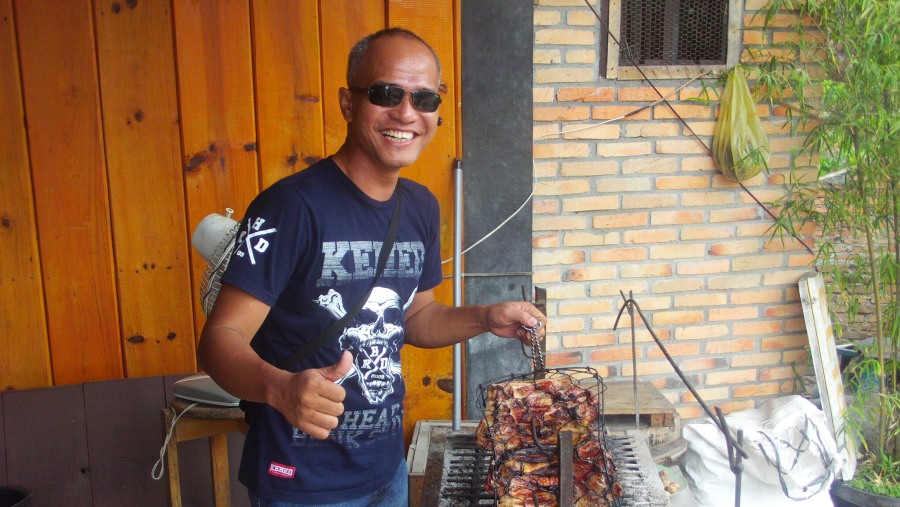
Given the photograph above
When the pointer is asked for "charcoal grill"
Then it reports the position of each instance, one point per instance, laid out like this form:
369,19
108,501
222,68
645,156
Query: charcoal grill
457,468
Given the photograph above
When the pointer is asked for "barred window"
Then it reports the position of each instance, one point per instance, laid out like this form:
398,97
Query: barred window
672,38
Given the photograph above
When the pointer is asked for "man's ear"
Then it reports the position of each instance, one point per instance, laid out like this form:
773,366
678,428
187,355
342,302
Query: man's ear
346,101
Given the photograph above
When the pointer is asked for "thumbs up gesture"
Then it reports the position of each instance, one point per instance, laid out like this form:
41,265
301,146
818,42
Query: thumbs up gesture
311,401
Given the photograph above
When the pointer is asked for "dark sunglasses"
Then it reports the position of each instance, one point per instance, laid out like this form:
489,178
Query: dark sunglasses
391,96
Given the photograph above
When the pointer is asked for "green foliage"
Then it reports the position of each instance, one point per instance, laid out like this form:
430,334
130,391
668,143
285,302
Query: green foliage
840,84
882,478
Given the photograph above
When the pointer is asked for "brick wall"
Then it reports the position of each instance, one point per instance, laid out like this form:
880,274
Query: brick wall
637,205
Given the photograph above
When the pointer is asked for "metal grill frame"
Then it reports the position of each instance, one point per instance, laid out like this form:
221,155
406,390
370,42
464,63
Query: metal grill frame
462,467
583,376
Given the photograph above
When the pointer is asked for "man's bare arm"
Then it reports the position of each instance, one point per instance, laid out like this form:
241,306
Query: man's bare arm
308,399
430,324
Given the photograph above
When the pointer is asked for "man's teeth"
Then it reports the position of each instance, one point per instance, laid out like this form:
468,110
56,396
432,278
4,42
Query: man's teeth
396,134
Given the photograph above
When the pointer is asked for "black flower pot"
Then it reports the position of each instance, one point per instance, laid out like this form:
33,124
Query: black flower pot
844,496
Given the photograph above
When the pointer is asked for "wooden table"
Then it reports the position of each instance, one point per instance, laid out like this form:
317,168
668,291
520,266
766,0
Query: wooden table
202,421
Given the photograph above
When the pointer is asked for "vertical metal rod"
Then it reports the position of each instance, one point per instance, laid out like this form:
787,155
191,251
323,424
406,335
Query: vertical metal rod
457,287
634,381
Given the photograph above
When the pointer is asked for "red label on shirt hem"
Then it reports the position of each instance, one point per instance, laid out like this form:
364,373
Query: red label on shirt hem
279,470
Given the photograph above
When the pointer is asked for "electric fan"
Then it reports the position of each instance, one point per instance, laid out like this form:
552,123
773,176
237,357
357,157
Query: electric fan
214,240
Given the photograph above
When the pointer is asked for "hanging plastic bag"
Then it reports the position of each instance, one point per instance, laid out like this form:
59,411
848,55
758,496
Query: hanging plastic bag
740,147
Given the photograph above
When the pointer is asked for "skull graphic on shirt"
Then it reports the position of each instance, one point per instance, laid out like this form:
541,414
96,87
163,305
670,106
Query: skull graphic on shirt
374,336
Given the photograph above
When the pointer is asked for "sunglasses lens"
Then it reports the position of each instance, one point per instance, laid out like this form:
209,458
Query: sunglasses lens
391,96
426,101
386,95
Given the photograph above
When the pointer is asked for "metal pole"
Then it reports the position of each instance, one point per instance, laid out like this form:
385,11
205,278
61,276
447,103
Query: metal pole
457,287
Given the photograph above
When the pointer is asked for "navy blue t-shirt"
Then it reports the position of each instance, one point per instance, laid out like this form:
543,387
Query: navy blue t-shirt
308,246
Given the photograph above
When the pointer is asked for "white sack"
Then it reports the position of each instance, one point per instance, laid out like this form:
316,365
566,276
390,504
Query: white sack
790,429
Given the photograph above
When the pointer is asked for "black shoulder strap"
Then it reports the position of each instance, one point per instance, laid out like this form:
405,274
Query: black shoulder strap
336,327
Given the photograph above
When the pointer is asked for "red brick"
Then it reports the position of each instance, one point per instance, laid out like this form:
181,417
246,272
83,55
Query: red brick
619,255
764,359
612,289
610,112
612,354
784,342
545,113
642,94
663,252
588,340
729,314
677,318
590,239
644,270
620,220
780,373
731,346
675,350
558,359
681,182
545,241
733,215
692,233
705,267
676,217
784,311
732,376
647,368
592,203
602,272
757,328
542,258
585,94
734,247
592,306
649,236
703,299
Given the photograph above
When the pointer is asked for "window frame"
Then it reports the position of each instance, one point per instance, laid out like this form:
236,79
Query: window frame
615,71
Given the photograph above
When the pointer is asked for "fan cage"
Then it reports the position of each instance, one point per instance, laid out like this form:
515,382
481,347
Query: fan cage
211,283
586,378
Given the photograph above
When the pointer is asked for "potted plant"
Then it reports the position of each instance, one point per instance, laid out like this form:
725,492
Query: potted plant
840,87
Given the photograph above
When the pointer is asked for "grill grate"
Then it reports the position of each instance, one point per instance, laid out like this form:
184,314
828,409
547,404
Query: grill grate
465,468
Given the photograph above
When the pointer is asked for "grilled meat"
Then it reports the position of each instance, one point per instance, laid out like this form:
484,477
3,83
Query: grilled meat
521,426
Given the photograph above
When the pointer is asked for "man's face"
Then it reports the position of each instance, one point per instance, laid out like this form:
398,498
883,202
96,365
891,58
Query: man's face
391,138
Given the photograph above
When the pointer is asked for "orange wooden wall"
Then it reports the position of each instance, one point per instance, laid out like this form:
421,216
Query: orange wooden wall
124,123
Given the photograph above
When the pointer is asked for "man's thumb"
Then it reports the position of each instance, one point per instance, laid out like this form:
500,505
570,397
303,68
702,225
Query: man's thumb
338,370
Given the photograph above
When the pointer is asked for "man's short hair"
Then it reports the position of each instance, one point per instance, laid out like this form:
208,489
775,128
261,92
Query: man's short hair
360,49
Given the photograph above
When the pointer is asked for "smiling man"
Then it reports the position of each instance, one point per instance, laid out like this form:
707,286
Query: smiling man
326,427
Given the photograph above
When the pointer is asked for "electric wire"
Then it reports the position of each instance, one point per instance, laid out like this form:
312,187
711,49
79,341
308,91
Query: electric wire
159,467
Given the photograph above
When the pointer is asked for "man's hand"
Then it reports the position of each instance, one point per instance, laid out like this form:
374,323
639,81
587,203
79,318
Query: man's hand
507,320
311,401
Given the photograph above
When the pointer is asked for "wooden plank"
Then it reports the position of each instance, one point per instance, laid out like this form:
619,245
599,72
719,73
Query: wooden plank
25,362
347,21
820,332
288,86
3,477
434,169
123,439
618,399
70,187
143,150
46,446
215,79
